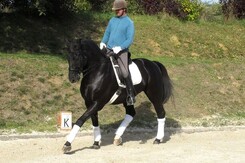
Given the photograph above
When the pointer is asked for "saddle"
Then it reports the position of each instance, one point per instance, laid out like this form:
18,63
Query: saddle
133,71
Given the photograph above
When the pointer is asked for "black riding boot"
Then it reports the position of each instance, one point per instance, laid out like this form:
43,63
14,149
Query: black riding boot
130,91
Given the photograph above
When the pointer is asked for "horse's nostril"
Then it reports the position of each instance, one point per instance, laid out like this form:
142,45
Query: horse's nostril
72,80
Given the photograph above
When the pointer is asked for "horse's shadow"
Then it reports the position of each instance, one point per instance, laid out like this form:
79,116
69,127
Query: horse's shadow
146,118
77,150
142,135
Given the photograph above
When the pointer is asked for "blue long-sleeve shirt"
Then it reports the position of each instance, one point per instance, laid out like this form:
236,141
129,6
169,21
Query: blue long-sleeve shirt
119,32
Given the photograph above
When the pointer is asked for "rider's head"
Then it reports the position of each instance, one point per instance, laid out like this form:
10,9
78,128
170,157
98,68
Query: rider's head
120,7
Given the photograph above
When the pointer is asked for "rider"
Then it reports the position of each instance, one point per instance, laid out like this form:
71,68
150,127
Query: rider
118,36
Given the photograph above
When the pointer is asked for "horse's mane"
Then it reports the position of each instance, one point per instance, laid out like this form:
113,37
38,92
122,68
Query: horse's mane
91,43
93,46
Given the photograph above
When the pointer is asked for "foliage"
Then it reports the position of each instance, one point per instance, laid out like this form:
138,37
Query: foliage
152,7
42,7
192,8
234,8
82,5
183,9
101,5
212,12
173,8
135,7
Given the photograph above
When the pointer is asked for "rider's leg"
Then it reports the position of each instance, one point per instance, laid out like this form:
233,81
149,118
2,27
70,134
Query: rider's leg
130,91
123,64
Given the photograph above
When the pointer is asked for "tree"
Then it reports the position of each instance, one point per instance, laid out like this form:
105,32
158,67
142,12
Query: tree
234,8
40,7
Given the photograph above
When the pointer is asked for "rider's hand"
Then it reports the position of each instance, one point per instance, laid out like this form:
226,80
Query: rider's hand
116,49
102,45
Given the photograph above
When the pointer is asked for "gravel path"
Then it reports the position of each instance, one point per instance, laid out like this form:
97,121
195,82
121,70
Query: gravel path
208,146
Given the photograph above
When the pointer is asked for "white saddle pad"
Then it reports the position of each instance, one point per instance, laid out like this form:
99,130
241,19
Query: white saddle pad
135,76
135,73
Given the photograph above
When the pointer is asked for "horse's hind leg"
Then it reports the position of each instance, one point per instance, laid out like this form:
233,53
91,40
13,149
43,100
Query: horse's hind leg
130,113
161,122
155,96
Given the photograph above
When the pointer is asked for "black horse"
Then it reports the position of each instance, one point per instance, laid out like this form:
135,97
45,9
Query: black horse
99,84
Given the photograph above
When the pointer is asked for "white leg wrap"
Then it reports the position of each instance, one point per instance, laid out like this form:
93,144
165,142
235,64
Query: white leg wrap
73,133
97,134
123,126
160,128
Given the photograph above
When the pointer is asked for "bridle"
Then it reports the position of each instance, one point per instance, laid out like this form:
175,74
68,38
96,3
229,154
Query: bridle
74,70
79,69
85,68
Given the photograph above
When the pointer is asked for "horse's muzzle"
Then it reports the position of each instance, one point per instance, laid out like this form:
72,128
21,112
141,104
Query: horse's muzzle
74,77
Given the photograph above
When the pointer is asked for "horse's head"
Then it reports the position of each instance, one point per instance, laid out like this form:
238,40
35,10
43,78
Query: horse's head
82,55
76,60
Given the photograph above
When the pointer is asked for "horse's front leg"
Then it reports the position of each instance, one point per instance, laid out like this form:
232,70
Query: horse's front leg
87,114
130,113
96,130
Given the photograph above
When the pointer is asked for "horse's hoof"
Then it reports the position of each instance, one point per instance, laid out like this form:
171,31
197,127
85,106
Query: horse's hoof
157,141
118,142
66,149
96,145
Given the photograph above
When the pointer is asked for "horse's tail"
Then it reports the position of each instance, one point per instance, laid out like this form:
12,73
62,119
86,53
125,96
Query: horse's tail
167,83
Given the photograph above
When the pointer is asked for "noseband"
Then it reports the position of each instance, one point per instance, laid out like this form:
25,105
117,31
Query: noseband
74,70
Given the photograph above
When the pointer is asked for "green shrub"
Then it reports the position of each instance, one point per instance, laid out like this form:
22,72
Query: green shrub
152,7
233,8
82,5
134,7
192,8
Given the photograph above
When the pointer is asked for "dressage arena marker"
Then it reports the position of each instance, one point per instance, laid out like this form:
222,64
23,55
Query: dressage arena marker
65,120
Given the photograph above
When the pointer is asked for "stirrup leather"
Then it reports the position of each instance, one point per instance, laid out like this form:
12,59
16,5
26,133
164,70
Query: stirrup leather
114,66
